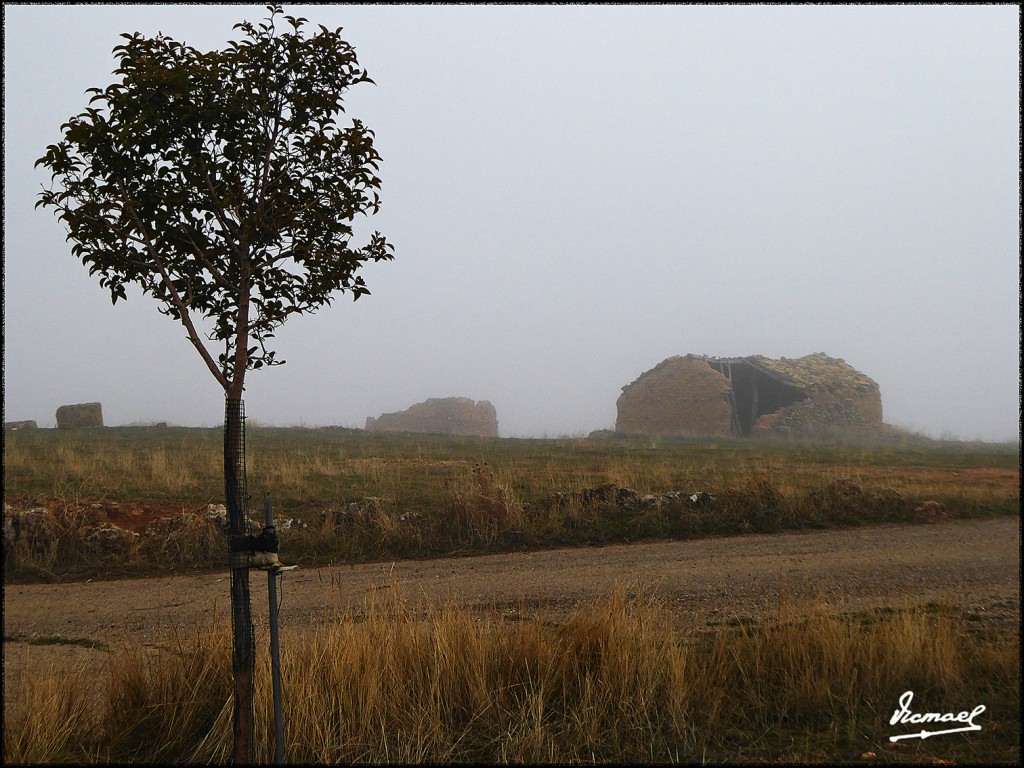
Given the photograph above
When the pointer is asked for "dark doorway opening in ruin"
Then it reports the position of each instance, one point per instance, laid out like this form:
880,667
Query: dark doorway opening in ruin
755,393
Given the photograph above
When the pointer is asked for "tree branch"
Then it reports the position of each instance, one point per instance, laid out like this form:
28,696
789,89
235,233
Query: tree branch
218,276
215,208
186,318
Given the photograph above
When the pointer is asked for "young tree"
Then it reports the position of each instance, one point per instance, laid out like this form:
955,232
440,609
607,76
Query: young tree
223,185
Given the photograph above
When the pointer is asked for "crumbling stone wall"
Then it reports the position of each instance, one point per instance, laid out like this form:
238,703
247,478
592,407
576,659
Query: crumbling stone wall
80,415
29,424
441,415
681,396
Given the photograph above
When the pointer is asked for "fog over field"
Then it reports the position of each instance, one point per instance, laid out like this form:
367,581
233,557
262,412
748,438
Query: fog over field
574,194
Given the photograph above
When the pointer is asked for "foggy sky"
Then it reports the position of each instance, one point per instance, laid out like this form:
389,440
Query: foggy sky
574,194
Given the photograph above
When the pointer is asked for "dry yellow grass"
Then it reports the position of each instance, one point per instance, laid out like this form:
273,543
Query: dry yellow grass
614,682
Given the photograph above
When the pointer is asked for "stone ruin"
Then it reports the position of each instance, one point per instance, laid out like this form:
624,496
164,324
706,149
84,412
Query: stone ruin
30,424
707,396
442,416
80,415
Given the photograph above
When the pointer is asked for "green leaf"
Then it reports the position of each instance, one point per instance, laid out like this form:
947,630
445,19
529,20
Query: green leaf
204,166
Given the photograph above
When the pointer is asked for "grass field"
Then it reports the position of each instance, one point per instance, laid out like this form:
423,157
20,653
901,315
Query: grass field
359,496
615,682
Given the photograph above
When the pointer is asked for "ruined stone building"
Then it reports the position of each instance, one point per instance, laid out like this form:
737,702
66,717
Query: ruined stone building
441,416
80,415
698,395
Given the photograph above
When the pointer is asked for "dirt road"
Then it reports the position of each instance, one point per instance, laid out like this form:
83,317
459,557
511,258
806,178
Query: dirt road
972,564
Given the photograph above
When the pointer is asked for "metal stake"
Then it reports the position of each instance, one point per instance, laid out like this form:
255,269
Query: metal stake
275,647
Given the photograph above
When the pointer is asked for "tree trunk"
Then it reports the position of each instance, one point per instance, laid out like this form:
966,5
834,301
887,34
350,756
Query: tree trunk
243,657
243,642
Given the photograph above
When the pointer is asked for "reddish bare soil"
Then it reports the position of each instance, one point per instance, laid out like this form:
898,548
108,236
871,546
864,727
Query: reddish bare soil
130,515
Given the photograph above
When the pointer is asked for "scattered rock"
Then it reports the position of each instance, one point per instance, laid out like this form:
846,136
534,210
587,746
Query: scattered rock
109,539
703,499
33,529
931,511
371,505
218,515
611,499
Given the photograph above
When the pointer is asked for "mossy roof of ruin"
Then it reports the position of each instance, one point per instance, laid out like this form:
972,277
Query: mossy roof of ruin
817,371
811,373
814,372
664,364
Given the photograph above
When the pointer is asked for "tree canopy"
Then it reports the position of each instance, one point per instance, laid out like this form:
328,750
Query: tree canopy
223,183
